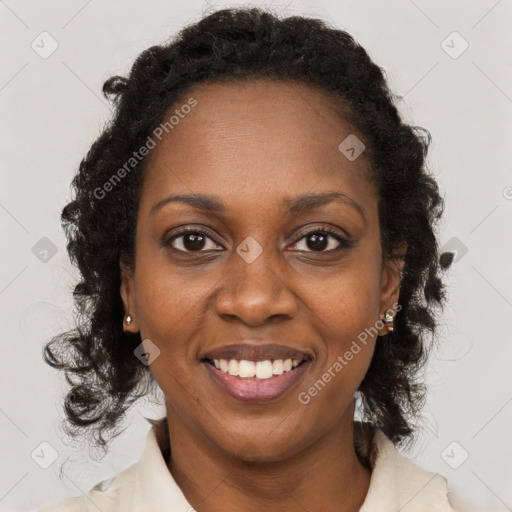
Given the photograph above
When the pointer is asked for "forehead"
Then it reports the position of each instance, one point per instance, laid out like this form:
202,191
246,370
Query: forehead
255,138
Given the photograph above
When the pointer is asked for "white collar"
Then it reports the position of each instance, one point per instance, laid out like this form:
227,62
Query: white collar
397,484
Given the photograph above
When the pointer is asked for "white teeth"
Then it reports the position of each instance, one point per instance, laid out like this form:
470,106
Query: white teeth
259,369
263,369
233,367
246,368
277,367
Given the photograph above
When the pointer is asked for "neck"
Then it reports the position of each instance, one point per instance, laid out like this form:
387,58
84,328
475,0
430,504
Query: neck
212,480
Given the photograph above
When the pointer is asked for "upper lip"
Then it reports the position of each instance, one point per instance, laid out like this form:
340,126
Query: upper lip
259,352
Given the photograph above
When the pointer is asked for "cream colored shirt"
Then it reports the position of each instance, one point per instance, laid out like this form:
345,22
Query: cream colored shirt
396,484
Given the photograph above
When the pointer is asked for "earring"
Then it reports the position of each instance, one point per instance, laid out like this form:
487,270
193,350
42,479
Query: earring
128,319
388,320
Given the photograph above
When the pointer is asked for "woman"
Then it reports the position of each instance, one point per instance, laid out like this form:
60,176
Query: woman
255,235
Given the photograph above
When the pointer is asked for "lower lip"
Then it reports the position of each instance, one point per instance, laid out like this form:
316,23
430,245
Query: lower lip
261,390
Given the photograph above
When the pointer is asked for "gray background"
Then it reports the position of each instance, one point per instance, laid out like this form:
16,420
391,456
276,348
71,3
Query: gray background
52,110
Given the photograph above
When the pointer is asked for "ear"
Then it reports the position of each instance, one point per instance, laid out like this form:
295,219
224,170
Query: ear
390,282
128,296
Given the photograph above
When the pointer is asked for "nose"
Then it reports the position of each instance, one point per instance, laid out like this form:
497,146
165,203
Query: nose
255,292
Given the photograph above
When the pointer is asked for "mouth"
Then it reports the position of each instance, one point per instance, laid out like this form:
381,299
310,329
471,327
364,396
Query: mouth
256,381
255,370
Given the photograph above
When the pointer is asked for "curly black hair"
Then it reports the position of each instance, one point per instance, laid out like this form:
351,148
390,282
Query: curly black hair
225,46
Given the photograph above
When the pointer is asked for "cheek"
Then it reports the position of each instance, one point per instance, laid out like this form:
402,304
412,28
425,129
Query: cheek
166,298
345,313
169,318
348,346
347,303
169,311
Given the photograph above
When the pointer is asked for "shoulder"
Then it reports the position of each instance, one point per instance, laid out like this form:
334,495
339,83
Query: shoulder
146,481
105,495
397,483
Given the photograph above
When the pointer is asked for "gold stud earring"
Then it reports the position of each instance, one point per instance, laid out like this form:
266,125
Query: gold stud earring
388,321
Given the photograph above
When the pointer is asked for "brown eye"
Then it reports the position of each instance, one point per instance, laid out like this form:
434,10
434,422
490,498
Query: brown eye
321,239
191,241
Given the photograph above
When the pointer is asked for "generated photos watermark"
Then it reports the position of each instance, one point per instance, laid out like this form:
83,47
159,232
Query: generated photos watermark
144,150
343,360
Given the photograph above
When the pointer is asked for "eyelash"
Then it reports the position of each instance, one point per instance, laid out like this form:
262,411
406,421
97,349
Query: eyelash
344,243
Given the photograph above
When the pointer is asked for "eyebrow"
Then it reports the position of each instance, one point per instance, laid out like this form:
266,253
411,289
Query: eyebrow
295,205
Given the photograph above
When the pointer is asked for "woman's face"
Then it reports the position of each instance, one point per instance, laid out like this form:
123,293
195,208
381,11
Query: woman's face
257,267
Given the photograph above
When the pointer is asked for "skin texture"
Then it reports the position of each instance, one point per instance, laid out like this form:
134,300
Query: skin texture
252,145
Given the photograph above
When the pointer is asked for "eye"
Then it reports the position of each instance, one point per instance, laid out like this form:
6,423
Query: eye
319,241
195,240
191,240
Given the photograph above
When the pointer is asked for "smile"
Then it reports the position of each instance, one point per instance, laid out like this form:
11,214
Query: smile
258,369
256,381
